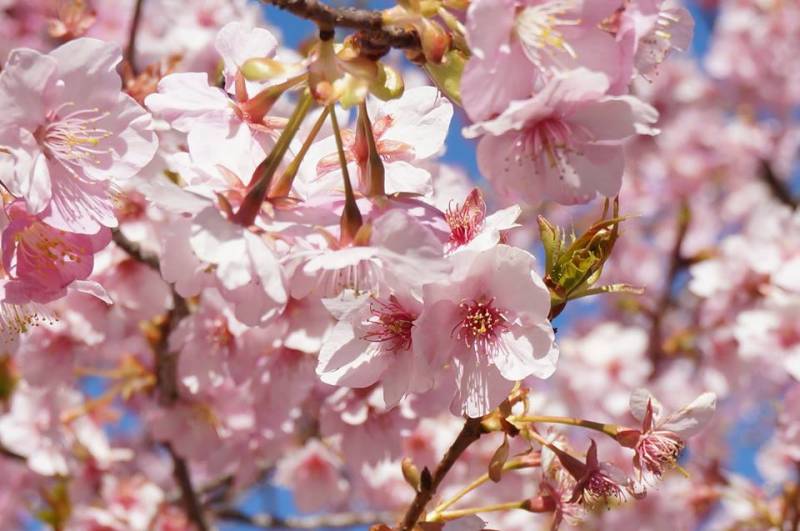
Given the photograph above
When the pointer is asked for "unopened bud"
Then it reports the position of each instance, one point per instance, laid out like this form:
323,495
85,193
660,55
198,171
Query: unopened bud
434,39
388,85
264,68
410,473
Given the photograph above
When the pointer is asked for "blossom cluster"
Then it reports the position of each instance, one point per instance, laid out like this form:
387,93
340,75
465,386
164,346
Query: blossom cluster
230,266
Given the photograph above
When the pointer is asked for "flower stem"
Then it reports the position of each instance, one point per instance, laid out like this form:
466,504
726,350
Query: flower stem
284,184
263,174
510,465
351,217
609,429
452,515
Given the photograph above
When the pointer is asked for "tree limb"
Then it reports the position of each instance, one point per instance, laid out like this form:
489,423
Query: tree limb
180,471
373,36
470,433
166,363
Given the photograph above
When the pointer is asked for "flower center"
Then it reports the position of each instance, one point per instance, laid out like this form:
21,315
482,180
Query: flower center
658,450
73,139
538,30
548,142
219,335
465,221
389,323
481,324
602,490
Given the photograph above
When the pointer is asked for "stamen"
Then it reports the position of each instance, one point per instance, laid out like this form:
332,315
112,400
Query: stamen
465,221
481,325
389,323
72,139
537,29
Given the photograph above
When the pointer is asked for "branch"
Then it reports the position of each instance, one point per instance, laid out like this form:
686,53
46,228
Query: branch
194,509
776,186
470,433
9,454
166,363
374,37
135,250
666,300
130,49
267,521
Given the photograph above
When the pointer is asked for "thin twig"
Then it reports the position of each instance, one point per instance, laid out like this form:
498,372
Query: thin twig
135,250
191,502
374,37
130,49
776,186
666,300
5,452
166,363
470,433
267,521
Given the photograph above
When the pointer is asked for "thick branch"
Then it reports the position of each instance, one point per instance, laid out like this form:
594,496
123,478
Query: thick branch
470,433
375,37
268,521
776,186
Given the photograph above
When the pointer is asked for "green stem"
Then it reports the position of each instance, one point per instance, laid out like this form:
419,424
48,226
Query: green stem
452,515
510,465
609,429
263,174
351,217
284,184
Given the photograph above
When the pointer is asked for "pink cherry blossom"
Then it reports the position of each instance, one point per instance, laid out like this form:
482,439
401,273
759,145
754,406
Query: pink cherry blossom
662,437
42,262
372,343
313,474
564,143
471,228
596,484
69,149
528,41
489,319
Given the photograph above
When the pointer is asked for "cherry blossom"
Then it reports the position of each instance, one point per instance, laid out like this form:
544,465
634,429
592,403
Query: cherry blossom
662,437
489,318
235,265
67,149
564,143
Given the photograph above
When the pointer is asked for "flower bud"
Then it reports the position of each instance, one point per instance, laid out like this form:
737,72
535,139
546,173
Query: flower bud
388,84
410,473
435,40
